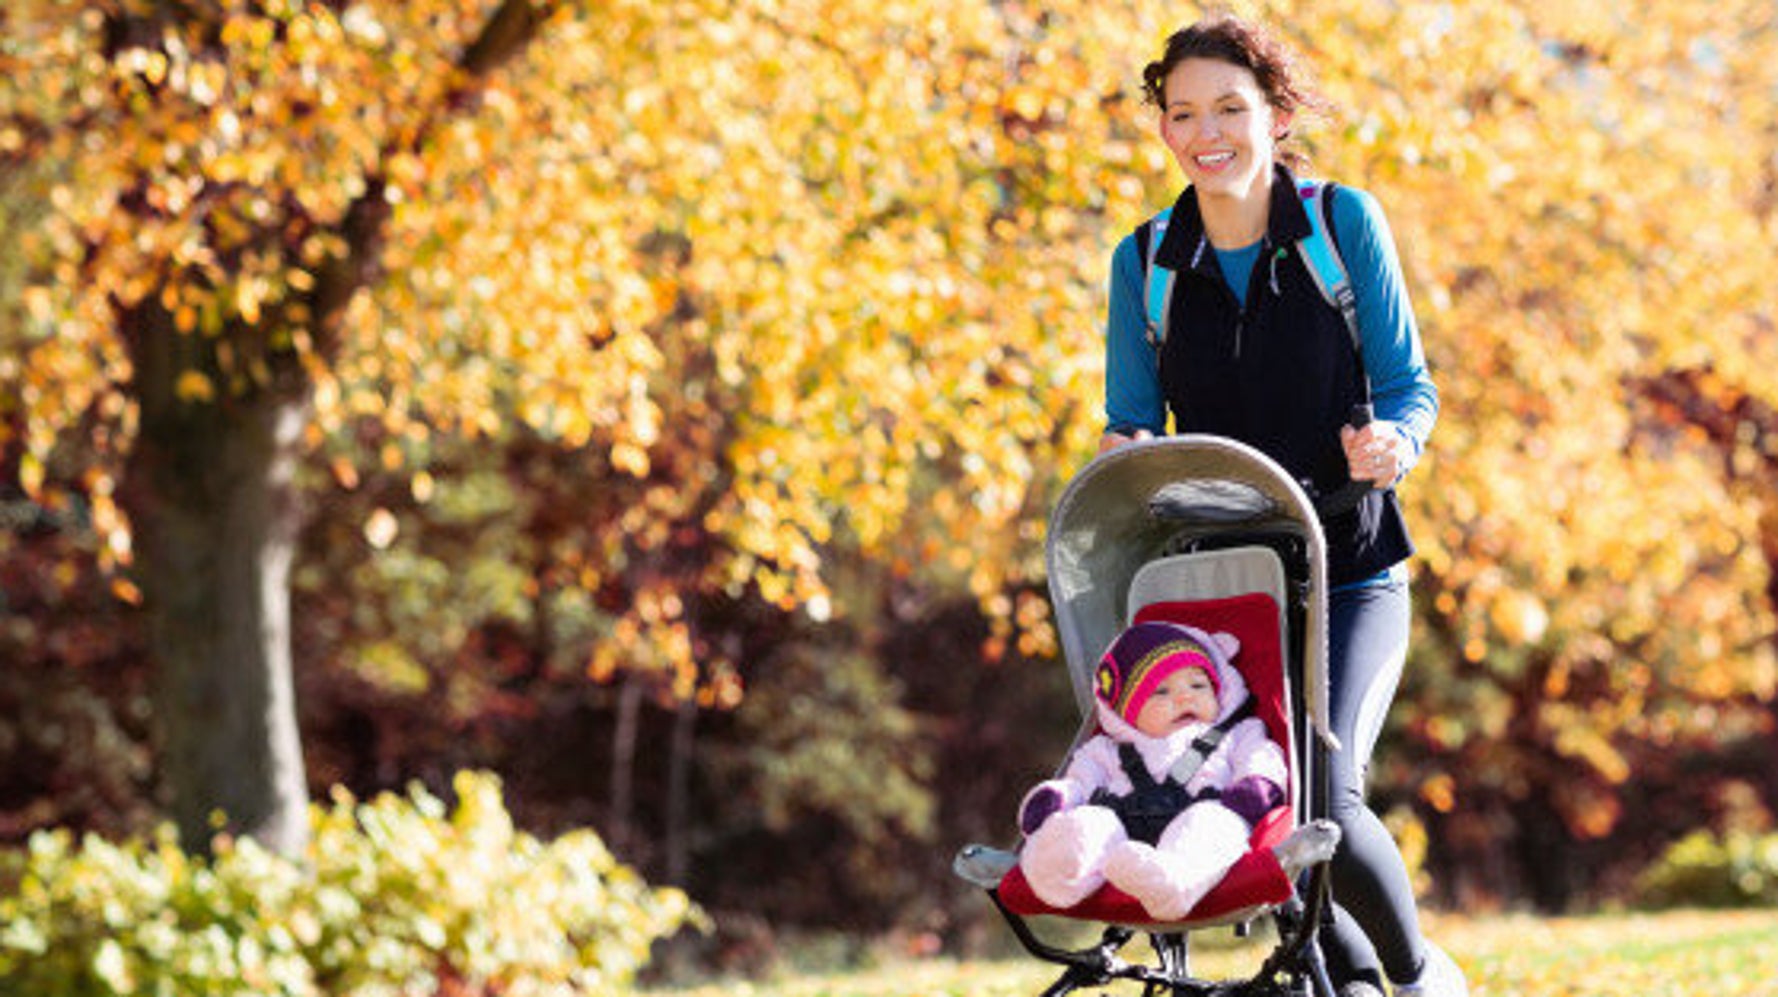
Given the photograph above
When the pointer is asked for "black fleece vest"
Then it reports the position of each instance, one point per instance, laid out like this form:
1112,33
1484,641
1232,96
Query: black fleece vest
1279,375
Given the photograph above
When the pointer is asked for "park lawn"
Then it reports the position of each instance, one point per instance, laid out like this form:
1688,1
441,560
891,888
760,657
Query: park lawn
1676,954
1672,954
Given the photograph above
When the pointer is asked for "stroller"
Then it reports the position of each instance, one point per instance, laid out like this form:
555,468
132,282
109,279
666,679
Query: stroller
1209,532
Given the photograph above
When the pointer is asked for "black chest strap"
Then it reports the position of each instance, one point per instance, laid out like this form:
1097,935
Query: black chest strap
1202,747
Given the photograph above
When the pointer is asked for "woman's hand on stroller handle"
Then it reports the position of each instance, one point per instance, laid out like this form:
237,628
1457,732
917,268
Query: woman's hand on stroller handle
1113,438
1374,451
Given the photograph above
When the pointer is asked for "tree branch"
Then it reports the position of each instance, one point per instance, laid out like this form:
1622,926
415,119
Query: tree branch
504,36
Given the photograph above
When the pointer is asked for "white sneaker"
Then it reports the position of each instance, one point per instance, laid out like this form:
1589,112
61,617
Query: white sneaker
1440,977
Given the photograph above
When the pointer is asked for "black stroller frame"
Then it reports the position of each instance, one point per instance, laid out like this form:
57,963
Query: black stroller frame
1154,499
1295,966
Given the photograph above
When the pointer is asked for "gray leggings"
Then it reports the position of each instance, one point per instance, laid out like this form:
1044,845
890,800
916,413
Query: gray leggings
1375,918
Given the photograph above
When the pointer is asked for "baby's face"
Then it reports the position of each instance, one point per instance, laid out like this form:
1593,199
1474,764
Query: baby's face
1184,697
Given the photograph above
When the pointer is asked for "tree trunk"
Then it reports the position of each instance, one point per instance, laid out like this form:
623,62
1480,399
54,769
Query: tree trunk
685,719
212,497
1546,853
623,759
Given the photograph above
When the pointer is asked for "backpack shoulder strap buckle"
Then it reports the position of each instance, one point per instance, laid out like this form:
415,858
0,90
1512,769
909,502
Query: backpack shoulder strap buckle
1205,744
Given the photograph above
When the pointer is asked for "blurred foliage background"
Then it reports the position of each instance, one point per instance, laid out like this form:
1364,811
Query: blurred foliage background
659,404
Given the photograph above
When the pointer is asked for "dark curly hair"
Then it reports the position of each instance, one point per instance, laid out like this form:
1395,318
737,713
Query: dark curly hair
1227,38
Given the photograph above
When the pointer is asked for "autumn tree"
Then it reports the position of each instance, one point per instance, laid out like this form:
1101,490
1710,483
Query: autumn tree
270,222
1579,200
801,287
223,195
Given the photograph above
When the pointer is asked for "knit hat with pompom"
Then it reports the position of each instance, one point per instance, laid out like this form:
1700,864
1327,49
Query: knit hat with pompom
1145,654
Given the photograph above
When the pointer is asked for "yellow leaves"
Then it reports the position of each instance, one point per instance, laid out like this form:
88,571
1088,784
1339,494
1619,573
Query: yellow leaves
150,65
1023,621
1581,738
870,243
247,297
1519,616
344,473
652,636
1440,792
194,387
126,591
250,32
31,475
381,529
630,459
38,303
1027,102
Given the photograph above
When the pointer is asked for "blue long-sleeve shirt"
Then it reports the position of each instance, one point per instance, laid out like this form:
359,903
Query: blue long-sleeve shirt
1401,387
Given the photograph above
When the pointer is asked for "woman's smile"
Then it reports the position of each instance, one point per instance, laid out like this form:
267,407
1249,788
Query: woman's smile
1214,160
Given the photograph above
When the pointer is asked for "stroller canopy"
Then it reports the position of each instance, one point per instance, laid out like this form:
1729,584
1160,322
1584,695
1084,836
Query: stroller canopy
1148,498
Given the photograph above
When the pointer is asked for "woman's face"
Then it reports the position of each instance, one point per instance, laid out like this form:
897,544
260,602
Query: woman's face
1219,126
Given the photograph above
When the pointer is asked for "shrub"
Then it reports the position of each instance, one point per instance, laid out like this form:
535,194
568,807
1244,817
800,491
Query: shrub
1702,869
396,897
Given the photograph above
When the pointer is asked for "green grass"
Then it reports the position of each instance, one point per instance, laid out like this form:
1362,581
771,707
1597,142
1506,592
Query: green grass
1709,954
1675,954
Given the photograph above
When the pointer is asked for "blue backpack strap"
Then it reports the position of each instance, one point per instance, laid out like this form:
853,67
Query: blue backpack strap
1157,291
1322,257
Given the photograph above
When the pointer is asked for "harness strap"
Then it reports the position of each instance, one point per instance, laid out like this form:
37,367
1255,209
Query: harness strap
1135,768
1205,744
1202,747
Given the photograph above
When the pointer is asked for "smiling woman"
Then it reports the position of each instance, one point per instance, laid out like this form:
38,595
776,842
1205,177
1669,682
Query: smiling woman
1243,342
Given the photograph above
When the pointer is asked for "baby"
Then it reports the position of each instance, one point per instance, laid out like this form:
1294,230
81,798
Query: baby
1141,805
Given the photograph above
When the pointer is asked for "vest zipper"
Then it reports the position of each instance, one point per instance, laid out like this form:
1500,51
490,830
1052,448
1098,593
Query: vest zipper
1266,255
